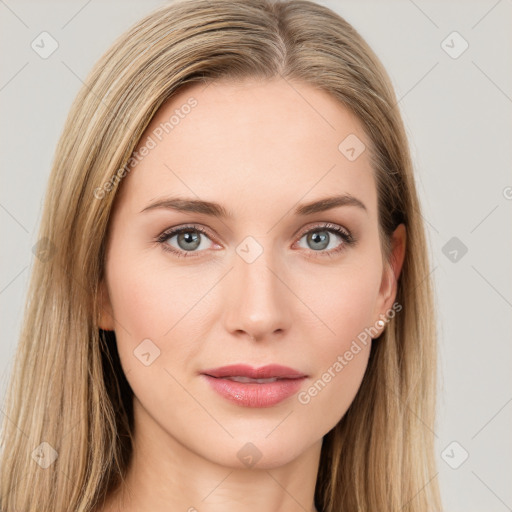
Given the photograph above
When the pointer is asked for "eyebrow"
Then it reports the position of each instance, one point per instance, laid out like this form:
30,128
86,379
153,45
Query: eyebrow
217,210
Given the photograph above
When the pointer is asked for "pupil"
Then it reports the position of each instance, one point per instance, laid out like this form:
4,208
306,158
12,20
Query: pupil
320,237
189,237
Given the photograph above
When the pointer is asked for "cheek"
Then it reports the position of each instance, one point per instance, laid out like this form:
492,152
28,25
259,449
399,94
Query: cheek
348,305
151,306
330,393
345,303
343,297
148,294
154,300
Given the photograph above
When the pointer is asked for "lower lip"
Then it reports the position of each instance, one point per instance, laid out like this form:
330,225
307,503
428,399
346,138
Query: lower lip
252,394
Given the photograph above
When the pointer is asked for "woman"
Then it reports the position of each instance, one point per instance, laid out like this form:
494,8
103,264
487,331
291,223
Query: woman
289,362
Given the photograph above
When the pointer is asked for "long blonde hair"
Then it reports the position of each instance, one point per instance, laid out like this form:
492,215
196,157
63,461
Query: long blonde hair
67,387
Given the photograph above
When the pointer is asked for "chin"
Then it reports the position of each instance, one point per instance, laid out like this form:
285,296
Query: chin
258,451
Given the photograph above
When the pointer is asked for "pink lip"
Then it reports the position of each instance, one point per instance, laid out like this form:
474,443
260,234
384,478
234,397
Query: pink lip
253,394
264,372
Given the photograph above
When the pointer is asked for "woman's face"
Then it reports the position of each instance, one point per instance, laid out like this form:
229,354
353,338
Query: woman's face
261,279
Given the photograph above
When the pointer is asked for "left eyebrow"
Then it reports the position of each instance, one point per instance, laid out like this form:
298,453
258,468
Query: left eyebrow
217,210
328,203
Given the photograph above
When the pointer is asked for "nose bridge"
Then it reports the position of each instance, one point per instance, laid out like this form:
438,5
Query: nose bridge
258,304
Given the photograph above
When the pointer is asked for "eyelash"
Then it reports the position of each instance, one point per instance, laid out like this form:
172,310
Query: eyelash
348,239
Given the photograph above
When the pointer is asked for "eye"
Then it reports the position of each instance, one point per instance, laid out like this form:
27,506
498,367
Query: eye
321,237
188,239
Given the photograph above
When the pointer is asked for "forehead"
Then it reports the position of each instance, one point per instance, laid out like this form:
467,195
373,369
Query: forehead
252,142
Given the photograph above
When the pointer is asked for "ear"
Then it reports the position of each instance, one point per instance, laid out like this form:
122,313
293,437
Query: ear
390,275
106,317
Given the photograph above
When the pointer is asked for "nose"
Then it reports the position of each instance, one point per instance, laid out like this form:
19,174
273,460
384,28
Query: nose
259,304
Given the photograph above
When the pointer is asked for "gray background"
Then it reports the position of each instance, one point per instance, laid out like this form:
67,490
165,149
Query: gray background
457,113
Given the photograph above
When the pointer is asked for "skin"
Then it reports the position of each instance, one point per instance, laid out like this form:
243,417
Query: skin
258,148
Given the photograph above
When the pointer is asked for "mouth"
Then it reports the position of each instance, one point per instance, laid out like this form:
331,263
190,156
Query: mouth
248,379
254,387
270,371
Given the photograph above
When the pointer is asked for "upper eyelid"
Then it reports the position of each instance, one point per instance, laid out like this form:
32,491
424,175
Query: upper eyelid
324,225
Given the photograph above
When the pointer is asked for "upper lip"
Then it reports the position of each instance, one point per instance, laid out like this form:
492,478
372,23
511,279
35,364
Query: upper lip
263,372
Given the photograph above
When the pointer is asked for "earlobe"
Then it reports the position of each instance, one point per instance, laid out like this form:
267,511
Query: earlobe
106,319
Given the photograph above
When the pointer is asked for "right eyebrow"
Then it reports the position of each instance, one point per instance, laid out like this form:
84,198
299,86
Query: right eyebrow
190,205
